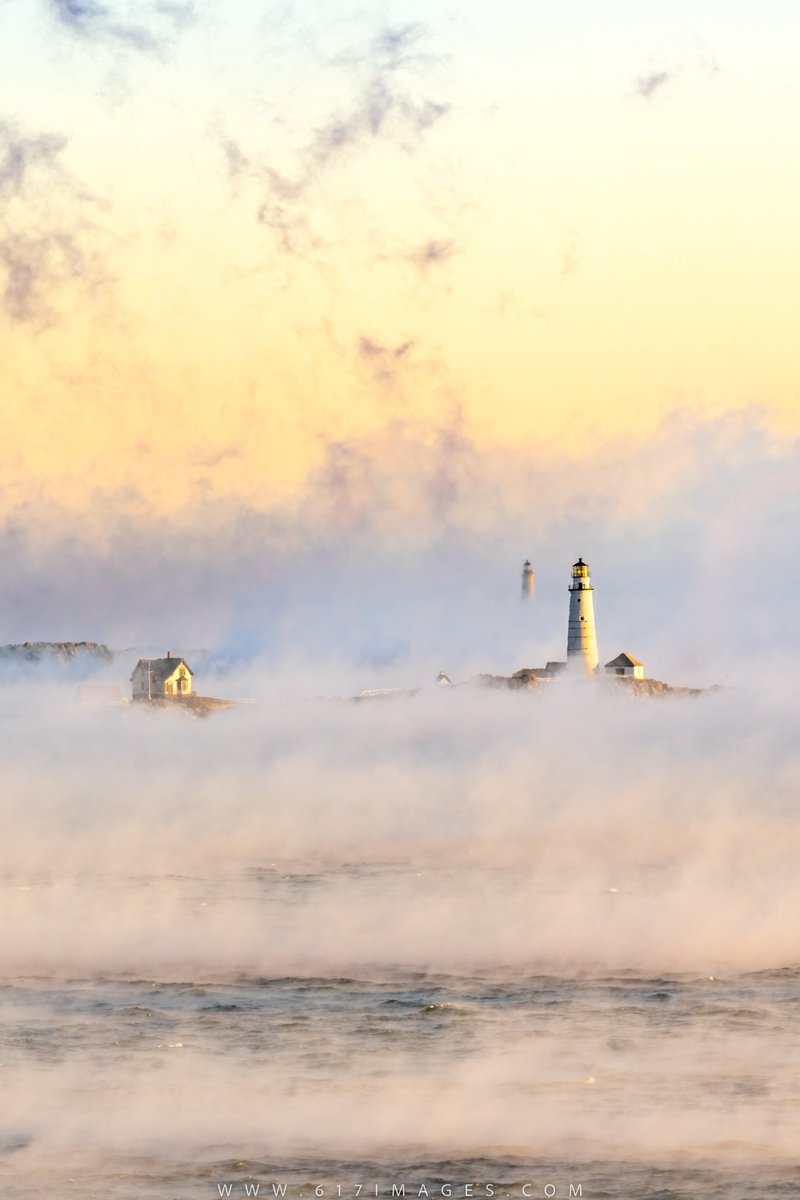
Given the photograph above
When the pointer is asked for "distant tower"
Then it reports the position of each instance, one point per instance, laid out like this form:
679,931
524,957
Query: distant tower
527,580
581,636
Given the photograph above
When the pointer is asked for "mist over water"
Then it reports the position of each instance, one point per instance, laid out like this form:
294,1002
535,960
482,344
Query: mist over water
463,934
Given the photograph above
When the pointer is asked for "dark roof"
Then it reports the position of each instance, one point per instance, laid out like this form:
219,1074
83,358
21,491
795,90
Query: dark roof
161,668
624,660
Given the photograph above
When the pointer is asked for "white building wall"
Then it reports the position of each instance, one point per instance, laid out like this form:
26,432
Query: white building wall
581,633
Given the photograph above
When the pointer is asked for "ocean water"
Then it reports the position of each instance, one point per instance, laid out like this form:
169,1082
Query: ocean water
417,951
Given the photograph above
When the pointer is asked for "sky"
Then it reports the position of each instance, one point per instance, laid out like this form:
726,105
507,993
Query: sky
319,319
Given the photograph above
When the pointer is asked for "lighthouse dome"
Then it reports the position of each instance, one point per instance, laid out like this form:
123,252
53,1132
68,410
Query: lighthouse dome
580,570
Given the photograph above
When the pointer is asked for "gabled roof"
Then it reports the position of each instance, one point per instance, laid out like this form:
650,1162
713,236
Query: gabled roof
161,668
624,660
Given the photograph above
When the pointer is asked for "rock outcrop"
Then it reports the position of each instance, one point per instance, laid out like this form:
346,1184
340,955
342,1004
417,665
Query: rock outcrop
191,705
653,687
525,679
55,652
531,678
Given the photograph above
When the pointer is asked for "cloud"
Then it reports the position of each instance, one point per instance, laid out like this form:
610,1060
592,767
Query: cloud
144,27
399,45
403,479
284,211
48,228
647,85
235,159
432,253
370,349
384,106
215,457
31,266
690,60
21,156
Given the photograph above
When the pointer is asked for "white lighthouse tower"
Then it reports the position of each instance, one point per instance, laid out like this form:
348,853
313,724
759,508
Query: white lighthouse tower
581,635
527,580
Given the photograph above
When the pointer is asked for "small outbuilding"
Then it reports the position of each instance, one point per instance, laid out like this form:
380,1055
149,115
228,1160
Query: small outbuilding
168,676
626,666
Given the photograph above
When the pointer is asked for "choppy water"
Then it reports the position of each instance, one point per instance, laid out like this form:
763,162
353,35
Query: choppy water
628,1084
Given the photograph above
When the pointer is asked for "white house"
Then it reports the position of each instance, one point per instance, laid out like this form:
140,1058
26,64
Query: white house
161,677
625,665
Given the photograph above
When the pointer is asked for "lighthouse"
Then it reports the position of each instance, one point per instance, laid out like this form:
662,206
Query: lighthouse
527,580
581,636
